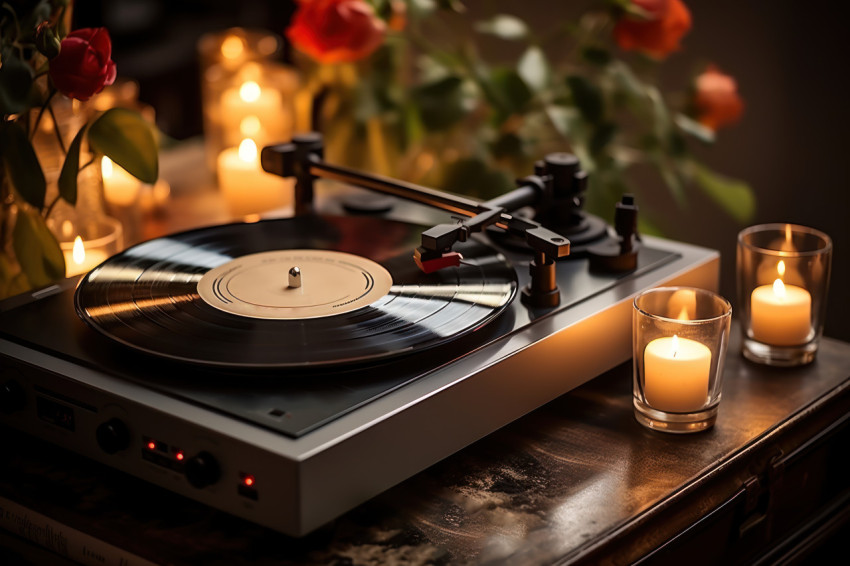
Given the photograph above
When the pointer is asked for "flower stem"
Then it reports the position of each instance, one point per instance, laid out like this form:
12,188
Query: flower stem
56,125
50,206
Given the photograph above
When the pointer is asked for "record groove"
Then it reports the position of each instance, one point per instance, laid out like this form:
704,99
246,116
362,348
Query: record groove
149,297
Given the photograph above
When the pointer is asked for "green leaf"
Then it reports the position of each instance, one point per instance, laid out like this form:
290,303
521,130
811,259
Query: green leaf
626,81
661,114
734,196
15,83
441,103
673,179
452,5
37,250
596,55
587,98
562,117
507,145
534,69
22,164
513,92
602,136
422,8
125,137
504,26
70,170
694,128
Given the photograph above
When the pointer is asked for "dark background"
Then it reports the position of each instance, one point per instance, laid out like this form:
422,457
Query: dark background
788,59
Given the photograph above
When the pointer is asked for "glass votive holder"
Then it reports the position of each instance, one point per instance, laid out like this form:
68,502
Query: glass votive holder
247,92
783,281
89,243
679,338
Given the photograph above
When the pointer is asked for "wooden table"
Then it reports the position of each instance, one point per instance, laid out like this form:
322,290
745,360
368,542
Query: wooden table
578,481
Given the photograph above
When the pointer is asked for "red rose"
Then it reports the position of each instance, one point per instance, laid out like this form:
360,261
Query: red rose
716,99
659,34
336,31
84,64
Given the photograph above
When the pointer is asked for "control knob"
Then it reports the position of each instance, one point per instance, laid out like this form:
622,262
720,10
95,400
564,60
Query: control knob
202,470
112,436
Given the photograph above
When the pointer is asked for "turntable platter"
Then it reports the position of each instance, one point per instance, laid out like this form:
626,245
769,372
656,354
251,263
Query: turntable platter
298,292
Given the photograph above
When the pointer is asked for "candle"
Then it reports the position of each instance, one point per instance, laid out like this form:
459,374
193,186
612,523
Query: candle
79,259
245,186
781,314
676,374
119,187
250,105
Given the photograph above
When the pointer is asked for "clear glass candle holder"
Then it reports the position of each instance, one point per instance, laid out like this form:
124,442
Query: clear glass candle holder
680,336
90,242
783,280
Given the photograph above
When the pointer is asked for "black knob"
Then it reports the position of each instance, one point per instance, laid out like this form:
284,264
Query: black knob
12,397
112,436
202,470
562,167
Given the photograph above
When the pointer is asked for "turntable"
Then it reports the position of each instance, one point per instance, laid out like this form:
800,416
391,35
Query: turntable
286,371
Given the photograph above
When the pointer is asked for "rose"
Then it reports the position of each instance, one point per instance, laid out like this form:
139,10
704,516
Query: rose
84,64
716,101
659,32
336,31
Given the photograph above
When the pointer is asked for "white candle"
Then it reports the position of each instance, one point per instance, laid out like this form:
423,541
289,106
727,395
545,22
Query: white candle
245,186
80,259
781,314
676,374
251,104
119,187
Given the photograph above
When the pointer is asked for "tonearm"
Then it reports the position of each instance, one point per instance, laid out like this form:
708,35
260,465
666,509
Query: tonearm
303,159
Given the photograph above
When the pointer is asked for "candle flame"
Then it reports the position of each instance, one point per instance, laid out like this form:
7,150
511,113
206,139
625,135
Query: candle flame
780,268
683,315
106,167
250,126
79,251
248,150
250,91
779,288
232,47
674,345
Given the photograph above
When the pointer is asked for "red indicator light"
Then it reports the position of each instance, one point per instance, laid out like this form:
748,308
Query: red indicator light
248,480
152,445
179,456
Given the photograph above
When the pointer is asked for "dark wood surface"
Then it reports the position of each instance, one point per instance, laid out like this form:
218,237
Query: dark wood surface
578,481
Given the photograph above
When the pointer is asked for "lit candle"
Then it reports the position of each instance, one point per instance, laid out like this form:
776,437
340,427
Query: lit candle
119,187
676,374
245,108
79,259
781,314
245,186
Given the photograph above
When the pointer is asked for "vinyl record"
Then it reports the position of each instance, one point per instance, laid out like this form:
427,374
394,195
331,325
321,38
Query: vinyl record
299,292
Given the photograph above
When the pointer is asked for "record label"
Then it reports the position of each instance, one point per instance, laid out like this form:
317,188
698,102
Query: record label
294,284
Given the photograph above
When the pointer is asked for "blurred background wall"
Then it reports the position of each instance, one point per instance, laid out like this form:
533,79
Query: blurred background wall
788,59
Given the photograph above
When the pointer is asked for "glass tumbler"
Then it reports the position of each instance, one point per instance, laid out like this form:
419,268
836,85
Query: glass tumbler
783,280
680,336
